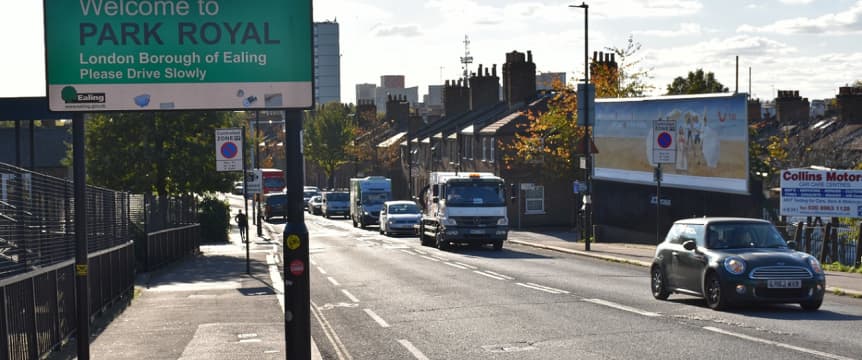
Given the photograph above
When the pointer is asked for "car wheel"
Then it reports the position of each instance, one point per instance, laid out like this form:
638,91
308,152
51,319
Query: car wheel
440,241
498,245
812,305
659,290
715,298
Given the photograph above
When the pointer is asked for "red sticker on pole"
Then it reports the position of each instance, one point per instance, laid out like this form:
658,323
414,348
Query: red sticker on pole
297,267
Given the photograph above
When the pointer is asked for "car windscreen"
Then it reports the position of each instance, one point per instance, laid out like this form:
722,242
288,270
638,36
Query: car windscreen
309,194
740,235
374,198
337,197
273,183
475,193
403,209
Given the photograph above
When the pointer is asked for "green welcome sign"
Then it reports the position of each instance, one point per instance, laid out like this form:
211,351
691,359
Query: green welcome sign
126,55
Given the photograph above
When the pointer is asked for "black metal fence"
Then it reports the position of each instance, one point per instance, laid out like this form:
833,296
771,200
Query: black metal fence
37,249
843,246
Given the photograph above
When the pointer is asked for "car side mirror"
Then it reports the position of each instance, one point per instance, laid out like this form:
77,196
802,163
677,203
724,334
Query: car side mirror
689,245
791,244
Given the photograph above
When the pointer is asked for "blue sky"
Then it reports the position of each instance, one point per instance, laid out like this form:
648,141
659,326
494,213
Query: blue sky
807,45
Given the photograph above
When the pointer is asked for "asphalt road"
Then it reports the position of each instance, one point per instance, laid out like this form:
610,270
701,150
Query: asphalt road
377,297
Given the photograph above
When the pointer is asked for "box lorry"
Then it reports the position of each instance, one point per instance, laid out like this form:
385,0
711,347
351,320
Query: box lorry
367,196
463,208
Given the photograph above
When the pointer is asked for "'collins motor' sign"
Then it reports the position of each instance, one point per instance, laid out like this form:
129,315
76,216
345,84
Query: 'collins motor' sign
823,193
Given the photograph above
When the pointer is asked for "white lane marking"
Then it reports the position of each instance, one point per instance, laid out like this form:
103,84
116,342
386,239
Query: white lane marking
622,307
333,281
488,275
440,258
321,270
408,252
548,288
412,349
775,343
376,318
340,349
349,295
313,262
540,288
420,251
428,257
455,265
471,267
500,275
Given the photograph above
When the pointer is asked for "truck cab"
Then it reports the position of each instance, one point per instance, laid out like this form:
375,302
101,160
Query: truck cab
367,196
466,208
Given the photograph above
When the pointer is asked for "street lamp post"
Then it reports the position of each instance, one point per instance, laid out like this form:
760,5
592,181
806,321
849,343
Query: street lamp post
587,134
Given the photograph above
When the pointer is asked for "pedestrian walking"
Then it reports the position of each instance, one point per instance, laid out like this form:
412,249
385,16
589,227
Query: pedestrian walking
242,222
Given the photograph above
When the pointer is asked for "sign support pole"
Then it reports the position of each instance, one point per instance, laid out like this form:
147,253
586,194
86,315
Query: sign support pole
658,204
81,262
245,203
297,292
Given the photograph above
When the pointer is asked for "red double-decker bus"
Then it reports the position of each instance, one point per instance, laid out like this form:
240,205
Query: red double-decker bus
273,180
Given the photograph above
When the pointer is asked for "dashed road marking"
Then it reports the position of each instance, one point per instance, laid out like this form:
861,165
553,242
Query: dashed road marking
349,295
778,344
622,307
488,275
455,266
428,258
500,275
321,270
412,349
471,267
376,318
542,288
333,281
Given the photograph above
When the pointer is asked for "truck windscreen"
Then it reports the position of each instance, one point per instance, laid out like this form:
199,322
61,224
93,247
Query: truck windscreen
374,198
475,193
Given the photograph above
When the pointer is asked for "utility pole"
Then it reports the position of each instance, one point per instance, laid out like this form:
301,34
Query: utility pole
257,165
297,291
588,216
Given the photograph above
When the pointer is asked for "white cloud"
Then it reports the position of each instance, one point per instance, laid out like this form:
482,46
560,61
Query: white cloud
849,21
684,29
797,2
410,30
644,8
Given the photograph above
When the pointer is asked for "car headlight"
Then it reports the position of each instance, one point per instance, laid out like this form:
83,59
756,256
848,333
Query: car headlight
734,265
448,222
815,265
503,221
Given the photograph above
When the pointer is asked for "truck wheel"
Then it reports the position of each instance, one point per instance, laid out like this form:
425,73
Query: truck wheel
441,242
422,238
498,245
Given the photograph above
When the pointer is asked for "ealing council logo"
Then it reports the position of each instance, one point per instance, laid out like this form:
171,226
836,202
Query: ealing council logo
70,95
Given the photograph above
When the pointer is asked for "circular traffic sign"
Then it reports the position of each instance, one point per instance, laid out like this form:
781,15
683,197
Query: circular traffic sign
229,150
664,140
297,267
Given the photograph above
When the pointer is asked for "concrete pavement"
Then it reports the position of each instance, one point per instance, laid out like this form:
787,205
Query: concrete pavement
206,307
564,240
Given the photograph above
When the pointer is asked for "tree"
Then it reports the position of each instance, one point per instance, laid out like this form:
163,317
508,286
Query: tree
551,138
695,83
328,134
625,80
167,153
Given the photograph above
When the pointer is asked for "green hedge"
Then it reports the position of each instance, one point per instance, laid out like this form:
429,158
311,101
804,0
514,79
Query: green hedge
214,217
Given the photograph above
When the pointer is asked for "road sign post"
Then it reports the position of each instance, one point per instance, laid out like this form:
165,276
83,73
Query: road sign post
228,149
663,152
297,290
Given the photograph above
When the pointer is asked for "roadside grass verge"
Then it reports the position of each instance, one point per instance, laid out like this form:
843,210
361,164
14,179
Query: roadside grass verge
836,266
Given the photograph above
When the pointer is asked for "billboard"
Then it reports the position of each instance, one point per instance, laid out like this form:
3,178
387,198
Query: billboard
710,141
178,54
823,193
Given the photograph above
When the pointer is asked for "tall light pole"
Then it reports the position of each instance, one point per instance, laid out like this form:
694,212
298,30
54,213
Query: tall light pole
587,134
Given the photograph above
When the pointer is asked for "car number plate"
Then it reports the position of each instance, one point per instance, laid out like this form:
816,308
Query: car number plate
477,232
784,284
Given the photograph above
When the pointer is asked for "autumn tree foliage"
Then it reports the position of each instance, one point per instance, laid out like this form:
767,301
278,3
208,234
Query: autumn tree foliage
550,140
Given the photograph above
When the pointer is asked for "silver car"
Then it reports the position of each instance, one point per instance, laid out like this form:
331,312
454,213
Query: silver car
399,217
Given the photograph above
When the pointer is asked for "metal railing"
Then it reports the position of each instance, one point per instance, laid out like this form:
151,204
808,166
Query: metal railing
165,246
37,243
843,248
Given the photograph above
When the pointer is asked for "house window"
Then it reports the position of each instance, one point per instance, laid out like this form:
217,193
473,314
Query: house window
491,148
468,147
535,200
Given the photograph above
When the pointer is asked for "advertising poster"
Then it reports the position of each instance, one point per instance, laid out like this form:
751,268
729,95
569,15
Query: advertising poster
710,141
821,193
106,55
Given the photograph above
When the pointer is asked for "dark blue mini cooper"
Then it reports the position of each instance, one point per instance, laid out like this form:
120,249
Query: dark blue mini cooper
732,261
